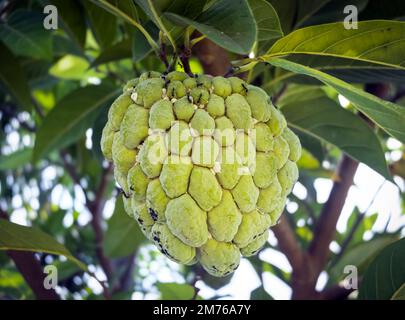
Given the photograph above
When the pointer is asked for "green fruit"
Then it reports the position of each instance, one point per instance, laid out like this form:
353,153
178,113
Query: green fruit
118,110
148,91
187,221
224,219
134,126
224,133
107,138
258,101
253,225
293,144
203,123
204,188
219,258
171,246
253,247
222,86
205,165
216,106
176,90
161,115
205,151
175,175
239,111
184,109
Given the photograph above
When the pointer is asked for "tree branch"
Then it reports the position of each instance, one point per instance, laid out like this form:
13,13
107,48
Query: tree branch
326,227
335,293
30,268
288,243
214,59
95,208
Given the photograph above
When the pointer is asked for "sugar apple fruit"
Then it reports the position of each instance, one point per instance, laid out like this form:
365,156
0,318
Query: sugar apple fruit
205,164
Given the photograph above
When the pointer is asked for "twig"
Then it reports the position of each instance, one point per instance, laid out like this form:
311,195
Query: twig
355,226
278,95
335,293
325,229
163,54
214,59
184,56
31,270
288,243
95,208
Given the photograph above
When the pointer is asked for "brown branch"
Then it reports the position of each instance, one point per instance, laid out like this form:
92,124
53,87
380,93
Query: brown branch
31,270
335,293
95,208
360,217
326,227
214,59
288,243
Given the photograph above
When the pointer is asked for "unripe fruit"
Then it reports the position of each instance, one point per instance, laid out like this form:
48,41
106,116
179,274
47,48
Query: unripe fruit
205,163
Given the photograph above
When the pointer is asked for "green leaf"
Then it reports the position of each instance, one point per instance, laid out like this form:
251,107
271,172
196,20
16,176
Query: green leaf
361,255
389,116
349,70
385,275
333,11
293,12
175,291
123,236
140,46
71,16
13,78
378,42
260,294
268,25
309,110
103,24
286,12
16,159
70,118
69,67
222,22
399,294
129,17
118,51
22,238
381,10
149,7
25,35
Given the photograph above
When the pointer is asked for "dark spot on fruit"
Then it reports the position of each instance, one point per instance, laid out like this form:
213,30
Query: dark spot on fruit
189,98
199,98
244,87
153,214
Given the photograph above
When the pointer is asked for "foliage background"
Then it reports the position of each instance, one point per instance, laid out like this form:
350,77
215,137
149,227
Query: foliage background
56,86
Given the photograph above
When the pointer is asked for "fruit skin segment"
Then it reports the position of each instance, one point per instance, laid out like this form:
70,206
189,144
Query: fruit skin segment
205,164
